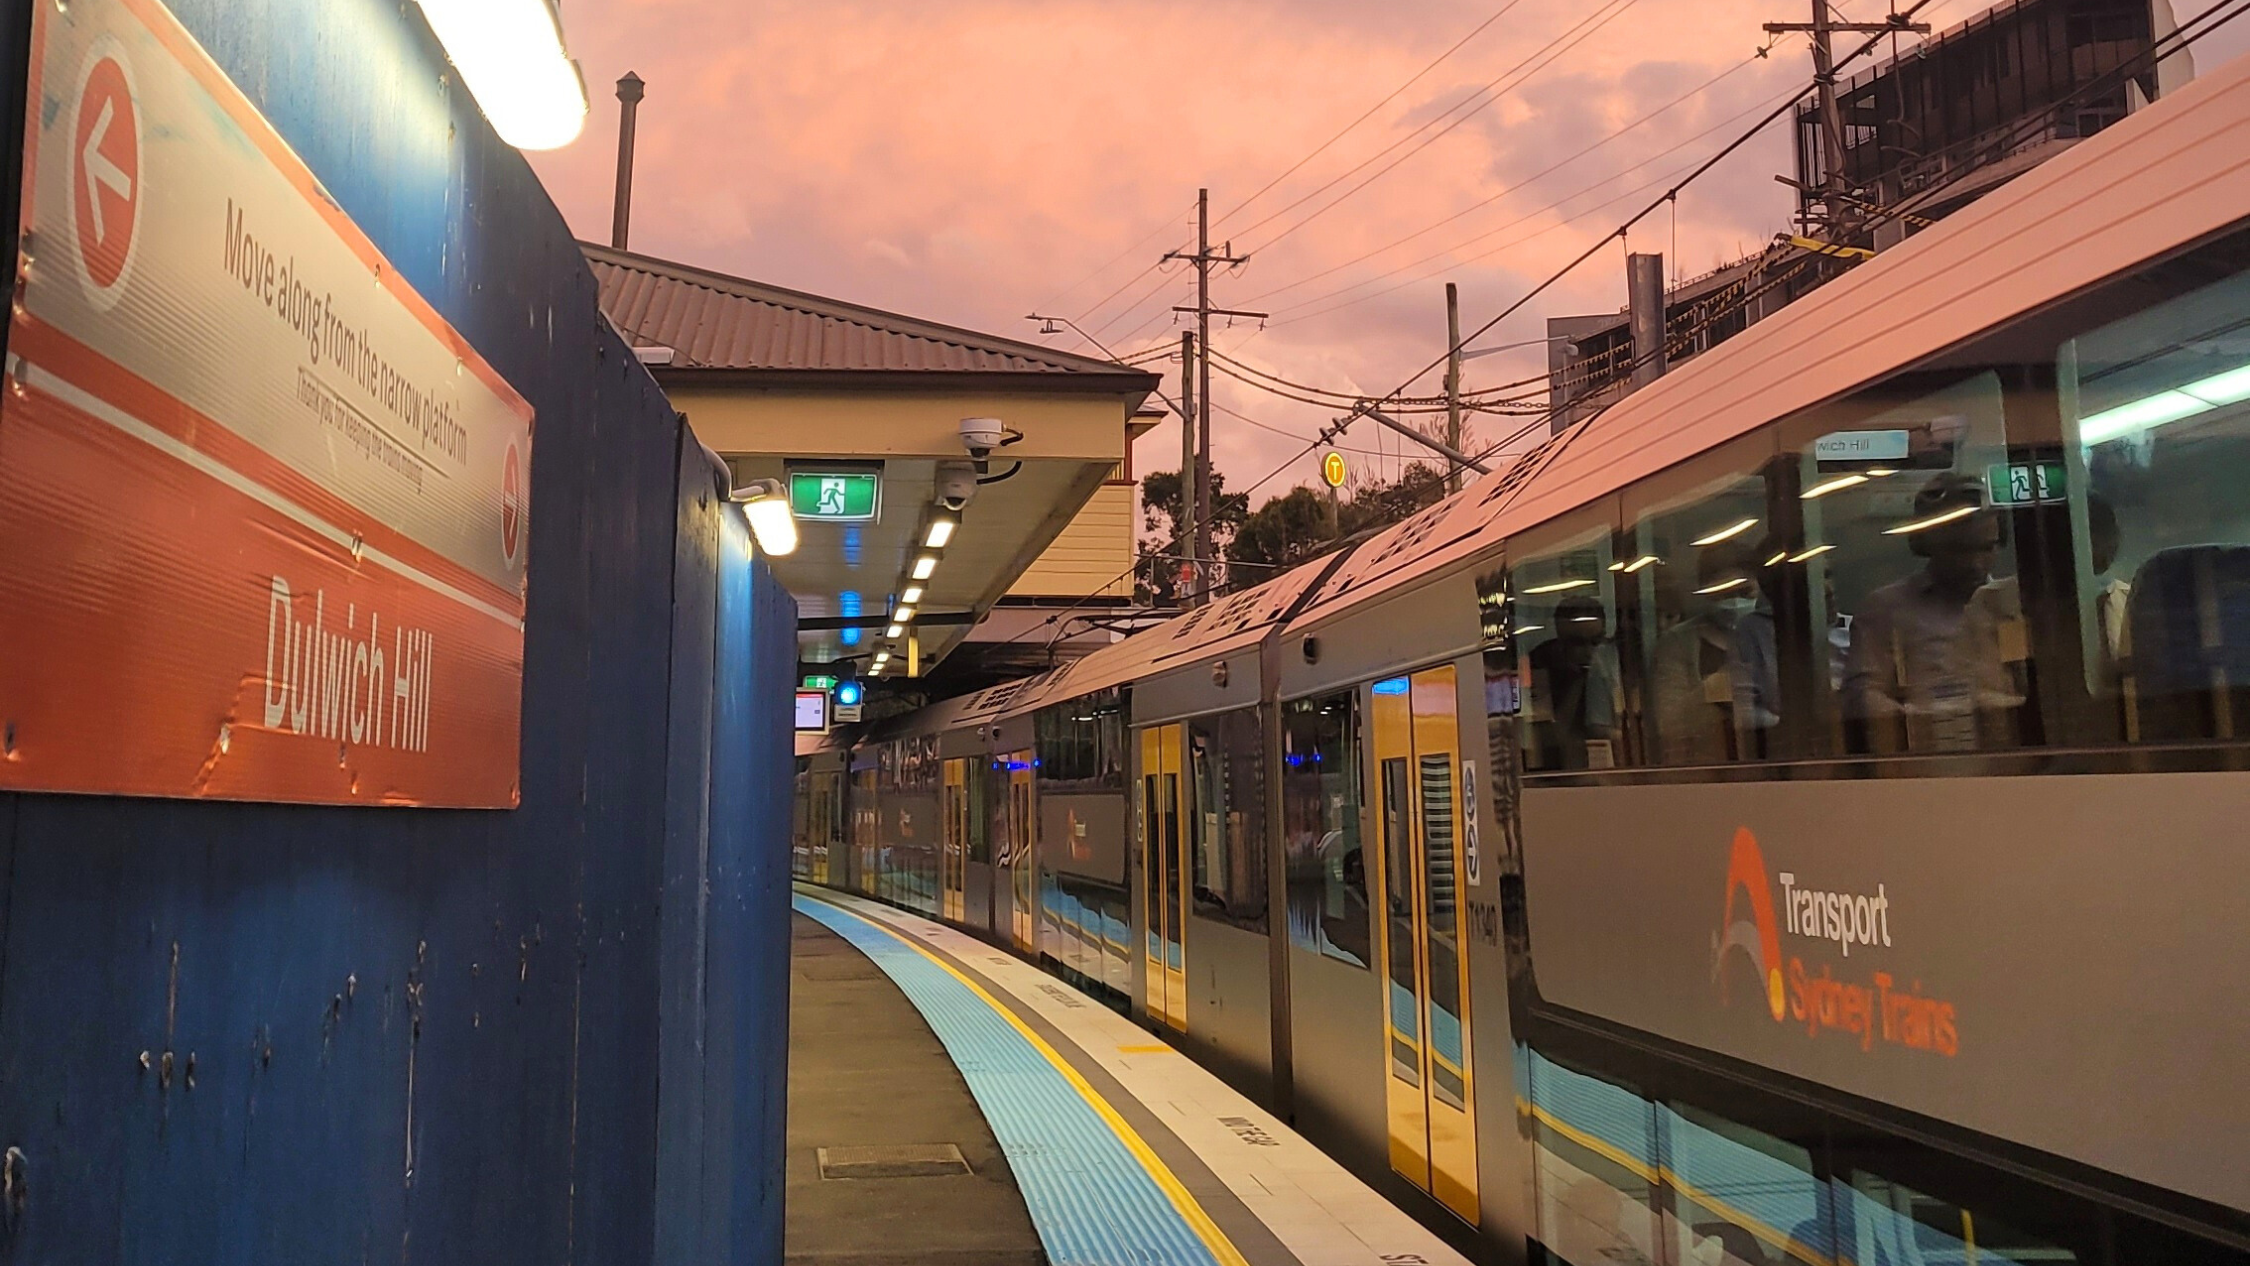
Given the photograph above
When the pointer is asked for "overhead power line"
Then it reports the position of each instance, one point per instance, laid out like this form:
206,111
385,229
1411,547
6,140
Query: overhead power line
1575,36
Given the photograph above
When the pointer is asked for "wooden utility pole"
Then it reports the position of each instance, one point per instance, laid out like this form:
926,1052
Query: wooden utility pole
1183,534
1204,550
1452,381
1835,196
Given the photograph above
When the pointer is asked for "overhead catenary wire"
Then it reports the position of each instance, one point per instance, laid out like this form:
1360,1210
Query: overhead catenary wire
1369,113
1609,11
1523,184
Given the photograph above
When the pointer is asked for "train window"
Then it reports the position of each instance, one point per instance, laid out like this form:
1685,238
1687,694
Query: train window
2159,406
1564,603
1743,1197
1703,605
1909,565
1228,818
1320,799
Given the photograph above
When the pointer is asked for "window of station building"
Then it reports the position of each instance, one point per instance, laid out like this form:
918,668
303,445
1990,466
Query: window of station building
1228,818
1563,599
1320,799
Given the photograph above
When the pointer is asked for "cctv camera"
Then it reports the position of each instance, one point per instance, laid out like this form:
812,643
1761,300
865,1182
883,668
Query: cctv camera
981,435
956,484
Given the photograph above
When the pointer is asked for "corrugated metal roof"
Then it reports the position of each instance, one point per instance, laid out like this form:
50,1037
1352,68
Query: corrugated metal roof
713,321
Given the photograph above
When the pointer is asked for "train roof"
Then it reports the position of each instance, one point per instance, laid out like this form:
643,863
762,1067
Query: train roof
2173,174
1221,628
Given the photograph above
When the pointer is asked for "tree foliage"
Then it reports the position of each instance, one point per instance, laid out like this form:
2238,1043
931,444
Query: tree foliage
1293,526
1161,548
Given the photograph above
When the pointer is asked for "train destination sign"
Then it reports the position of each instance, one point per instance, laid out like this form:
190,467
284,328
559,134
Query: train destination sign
265,511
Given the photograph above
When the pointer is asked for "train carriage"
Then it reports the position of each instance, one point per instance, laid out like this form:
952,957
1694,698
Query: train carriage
1790,817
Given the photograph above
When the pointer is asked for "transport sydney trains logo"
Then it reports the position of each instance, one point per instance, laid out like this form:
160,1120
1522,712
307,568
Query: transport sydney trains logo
1833,998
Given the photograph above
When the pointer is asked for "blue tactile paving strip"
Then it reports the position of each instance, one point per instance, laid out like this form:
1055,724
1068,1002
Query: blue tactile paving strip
1094,1201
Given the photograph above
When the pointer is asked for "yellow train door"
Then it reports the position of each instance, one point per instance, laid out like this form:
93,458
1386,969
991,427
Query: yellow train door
953,848
1163,822
1418,950
1023,860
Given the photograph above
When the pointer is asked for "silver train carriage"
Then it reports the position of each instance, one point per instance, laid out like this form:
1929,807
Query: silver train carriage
1789,818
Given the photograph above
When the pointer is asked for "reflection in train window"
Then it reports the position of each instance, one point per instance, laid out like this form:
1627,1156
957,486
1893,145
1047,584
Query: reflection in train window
1565,617
1320,798
1697,577
1227,818
2160,405
1740,1196
1596,1167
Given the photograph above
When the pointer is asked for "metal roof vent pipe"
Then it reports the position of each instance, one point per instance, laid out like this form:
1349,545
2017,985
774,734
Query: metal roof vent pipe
629,92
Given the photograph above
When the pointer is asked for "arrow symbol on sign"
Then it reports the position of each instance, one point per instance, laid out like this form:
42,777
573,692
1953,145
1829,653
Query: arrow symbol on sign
100,171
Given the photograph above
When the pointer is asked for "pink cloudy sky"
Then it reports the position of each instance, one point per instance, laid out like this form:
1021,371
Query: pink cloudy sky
975,160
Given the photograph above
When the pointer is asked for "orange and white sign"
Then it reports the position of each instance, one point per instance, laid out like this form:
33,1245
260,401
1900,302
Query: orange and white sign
262,510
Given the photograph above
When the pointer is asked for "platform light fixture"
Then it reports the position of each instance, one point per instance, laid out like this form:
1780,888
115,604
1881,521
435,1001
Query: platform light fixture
903,614
941,531
511,55
766,504
912,595
894,631
924,567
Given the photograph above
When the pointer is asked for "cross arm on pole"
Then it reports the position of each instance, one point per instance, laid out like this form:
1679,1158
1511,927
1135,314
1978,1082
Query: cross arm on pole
1366,408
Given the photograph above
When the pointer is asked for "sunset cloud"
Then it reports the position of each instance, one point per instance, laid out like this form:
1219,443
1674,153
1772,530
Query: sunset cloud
969,161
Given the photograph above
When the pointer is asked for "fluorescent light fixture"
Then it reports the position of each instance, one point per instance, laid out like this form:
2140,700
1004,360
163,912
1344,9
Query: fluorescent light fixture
1727,533
1879,472
894,630
941,531
510,55
1528,628
2231,387
1815,552
1826,486
924,566
903,614
1558,587
1724,585
882,657
912,595
1619,565
1778,558
766,504
1918,525
2150,412
1638,564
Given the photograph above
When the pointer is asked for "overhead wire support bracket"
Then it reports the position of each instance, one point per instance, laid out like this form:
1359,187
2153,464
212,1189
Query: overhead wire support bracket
1367,409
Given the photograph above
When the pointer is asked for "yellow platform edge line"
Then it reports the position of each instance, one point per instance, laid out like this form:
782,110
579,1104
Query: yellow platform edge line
1182,1200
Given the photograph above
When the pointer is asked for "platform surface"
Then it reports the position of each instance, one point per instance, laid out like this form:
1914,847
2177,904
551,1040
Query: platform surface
1124,1150
874,1096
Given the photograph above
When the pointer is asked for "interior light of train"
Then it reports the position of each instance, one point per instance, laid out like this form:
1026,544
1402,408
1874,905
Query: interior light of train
1724,585
1815,552
1879,472
924,566
1638,564
1727,533
1918,525
912,595
941,531
1777,558
2150,412
510,54
1528,628
1559,586
1826,486
1391,686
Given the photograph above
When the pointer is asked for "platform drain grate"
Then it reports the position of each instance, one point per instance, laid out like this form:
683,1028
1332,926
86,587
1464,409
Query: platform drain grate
912,1160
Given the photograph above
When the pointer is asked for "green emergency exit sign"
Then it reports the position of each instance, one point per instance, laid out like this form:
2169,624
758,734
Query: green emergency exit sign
835,496
2025,483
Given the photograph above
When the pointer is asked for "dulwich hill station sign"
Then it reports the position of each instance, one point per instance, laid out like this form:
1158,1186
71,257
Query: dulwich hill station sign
262,510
